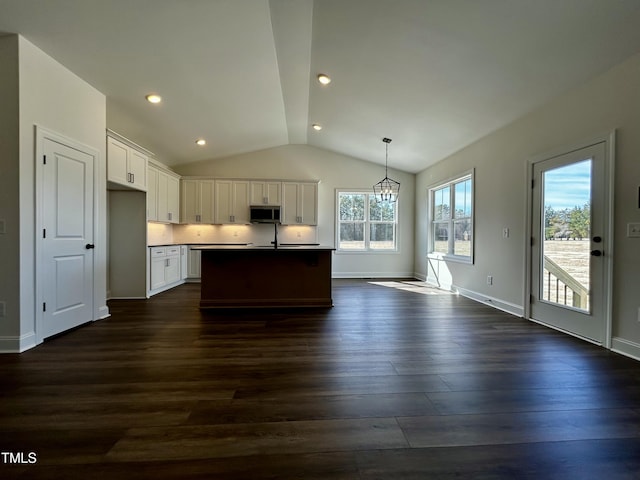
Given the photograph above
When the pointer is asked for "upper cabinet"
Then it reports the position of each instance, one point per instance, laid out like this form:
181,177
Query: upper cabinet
266,193
299,203
197,201
163,196
231,201
126,166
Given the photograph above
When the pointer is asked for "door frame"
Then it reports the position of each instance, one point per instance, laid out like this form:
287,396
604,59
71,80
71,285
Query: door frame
41,134
609,140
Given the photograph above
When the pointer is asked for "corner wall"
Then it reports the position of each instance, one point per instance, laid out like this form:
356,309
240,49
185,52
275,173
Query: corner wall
610,101
50,96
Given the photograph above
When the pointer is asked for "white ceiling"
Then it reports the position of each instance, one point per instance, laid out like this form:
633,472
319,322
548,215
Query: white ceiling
433,75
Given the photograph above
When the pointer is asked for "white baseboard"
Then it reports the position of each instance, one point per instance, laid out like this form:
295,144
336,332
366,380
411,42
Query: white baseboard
103,312
372,275
517,310
15,344
625,347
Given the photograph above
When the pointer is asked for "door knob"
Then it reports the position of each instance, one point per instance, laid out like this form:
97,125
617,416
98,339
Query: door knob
596,253
89,246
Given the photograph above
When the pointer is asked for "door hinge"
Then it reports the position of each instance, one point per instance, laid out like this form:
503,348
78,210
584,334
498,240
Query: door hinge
533,183
44,306
44,159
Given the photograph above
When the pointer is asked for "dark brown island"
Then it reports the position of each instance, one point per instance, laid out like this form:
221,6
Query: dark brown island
253,276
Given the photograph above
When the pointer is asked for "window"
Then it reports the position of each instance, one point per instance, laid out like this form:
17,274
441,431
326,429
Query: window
365,224
452,219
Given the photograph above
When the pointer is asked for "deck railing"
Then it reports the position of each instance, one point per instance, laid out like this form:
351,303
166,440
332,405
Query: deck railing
561,287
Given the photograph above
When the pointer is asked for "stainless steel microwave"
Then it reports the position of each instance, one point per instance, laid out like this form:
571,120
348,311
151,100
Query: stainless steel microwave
264,213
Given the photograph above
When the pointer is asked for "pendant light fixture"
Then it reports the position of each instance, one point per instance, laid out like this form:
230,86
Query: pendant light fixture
387,189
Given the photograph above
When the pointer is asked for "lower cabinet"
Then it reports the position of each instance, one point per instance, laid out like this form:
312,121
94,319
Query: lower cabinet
165,268
193,265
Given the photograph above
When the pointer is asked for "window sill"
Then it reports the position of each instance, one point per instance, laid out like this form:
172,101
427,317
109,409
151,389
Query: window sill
450,258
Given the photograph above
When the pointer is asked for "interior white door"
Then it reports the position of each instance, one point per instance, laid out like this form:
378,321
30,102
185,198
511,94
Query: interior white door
67,248
569,244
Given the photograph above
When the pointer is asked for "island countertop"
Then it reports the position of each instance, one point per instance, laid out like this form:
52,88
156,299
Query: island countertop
250,246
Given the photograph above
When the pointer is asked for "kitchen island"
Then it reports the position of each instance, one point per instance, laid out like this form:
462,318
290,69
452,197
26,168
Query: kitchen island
234,276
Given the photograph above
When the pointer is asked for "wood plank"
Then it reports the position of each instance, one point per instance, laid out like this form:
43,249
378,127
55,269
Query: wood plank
395,381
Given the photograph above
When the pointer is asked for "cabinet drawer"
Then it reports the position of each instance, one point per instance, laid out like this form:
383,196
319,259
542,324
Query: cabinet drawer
173,250
158,252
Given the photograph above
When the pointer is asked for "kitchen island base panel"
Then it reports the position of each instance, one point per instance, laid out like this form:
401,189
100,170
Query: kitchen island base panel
259,278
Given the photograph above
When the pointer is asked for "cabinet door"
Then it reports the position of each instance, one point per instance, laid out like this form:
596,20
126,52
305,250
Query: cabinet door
157,274
265,193
289,213
240,204
137,168
307,203
117,160
193,268
152,194
172,269
190,212
163,197
273,190
223,208
173,199
184,260
206,200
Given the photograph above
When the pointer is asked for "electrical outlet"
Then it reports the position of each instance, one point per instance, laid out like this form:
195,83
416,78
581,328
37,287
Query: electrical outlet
505,232
489,280
633,229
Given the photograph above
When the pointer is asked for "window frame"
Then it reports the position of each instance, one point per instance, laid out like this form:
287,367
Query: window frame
452,219
367,225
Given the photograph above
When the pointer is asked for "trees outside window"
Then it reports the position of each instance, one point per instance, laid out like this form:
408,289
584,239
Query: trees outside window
451,211
365,224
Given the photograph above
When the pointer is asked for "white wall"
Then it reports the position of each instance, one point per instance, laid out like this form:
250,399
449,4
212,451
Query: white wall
56,99
611,101
9,191
303,162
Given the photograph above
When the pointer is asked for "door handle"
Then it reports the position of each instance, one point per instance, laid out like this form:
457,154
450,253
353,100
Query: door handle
597,239
89,246
596,253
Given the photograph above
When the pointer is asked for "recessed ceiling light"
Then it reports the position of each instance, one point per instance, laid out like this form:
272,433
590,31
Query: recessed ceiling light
201,141
316,126
324,79
153,98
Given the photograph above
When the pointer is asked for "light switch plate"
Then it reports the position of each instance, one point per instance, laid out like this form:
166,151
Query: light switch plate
633,229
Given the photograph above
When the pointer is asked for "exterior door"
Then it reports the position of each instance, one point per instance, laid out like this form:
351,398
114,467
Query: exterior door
66,262
569,244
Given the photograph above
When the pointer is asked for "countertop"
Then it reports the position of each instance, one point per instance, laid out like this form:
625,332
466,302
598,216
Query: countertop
250,246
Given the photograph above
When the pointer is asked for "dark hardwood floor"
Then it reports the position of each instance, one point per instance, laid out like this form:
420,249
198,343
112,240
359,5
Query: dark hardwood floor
398,383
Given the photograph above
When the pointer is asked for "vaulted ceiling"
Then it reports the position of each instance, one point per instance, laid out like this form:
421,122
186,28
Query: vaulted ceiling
433,75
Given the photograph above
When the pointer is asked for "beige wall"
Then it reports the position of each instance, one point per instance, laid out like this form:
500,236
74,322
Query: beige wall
54,98
303,162
611,101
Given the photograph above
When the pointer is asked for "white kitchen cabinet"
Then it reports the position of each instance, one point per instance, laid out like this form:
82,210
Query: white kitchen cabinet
197,201
164,268
193,267
265,193
164,199
231,201
299,203
126,166
152,194
184,258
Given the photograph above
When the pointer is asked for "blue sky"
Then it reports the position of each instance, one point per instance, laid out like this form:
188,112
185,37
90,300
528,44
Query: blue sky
569,186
